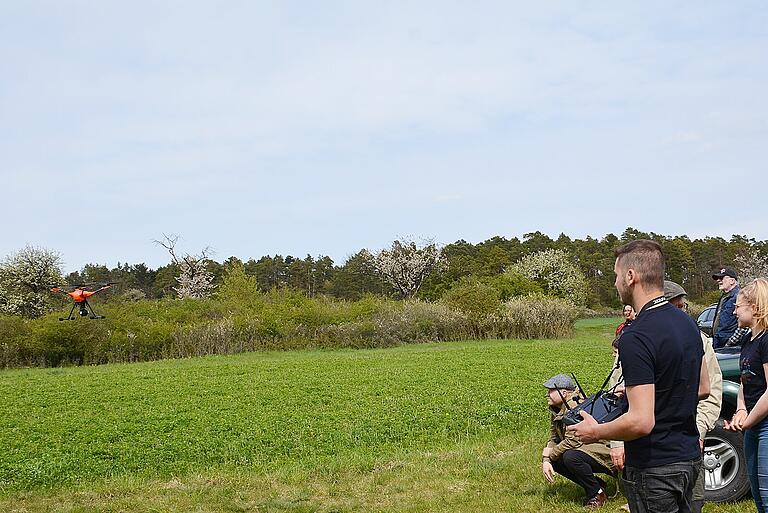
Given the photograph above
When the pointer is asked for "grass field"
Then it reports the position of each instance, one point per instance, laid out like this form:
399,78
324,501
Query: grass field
429,427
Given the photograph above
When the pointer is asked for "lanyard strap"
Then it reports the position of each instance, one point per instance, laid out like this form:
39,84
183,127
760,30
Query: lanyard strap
653,303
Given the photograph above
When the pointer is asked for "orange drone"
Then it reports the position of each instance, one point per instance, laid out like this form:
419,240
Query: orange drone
80,295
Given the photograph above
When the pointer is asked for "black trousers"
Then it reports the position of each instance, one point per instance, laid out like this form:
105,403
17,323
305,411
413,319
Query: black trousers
664,489
581,468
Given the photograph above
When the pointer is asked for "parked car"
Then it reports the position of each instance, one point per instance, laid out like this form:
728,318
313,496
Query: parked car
706,318
725,470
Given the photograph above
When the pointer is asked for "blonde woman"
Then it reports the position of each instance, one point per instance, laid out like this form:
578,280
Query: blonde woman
751,415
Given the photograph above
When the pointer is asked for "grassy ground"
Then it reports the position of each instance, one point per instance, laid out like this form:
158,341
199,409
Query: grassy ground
431,427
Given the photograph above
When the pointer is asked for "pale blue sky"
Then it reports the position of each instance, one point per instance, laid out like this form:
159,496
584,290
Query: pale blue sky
303,127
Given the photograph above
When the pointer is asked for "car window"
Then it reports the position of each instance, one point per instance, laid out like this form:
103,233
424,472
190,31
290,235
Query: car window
707,315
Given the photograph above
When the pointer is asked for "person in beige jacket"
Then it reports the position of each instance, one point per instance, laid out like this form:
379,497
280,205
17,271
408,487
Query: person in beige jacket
565,454
707,410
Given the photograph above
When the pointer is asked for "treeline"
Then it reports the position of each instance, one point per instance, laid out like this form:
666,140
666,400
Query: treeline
689,262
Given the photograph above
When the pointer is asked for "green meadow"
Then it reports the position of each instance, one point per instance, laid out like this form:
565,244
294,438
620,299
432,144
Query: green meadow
452,426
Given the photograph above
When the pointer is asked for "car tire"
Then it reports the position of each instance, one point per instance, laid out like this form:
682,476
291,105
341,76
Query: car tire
725,469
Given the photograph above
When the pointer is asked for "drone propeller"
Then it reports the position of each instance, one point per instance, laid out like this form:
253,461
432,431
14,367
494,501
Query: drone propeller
82,286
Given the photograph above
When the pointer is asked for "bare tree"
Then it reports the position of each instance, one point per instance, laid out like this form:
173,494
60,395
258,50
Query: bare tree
194,279
406,266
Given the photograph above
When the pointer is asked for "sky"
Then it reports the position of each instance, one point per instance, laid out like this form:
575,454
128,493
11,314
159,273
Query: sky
300,128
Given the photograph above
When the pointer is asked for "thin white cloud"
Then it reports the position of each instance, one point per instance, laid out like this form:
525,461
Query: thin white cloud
684,137
363,119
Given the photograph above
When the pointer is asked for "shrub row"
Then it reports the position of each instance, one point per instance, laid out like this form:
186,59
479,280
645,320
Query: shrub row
151,330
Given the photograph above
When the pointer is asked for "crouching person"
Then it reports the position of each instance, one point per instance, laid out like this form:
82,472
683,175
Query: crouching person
567,456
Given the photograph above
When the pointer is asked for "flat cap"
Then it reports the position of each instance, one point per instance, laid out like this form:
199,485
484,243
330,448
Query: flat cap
560,381
673,290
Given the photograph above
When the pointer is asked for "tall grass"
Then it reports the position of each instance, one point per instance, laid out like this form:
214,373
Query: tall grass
533,317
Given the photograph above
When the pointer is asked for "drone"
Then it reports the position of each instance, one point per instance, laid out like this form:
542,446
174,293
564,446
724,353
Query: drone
80,295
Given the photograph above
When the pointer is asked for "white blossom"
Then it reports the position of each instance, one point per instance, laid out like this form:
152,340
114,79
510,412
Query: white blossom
553,268
751,265
194,279
405,265
25,280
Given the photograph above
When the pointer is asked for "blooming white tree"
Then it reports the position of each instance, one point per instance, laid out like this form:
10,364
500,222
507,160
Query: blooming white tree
554,269
25,279
751,265
194,279
405,265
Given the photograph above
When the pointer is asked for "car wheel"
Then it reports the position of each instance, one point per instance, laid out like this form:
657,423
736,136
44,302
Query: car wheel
725,469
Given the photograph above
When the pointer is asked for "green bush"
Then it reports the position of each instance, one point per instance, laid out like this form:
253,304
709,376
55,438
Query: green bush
14,350
239,288
511,284
68,343
474,299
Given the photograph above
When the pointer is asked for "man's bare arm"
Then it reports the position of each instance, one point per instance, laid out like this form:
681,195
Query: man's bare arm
637,422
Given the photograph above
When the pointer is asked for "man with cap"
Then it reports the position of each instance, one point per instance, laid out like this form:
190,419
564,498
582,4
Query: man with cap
708,409
565,454
725,322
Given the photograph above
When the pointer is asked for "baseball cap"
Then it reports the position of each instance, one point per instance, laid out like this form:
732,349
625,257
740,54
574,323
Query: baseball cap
673,290
725,271
560,381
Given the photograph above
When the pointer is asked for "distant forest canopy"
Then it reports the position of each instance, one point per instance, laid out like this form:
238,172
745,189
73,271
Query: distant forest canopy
689,262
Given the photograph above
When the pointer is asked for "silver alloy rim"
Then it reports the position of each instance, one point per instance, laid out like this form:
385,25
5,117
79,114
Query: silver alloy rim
721,463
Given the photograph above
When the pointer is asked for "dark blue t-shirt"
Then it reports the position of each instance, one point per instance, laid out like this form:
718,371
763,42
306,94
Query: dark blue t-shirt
663,347
754,353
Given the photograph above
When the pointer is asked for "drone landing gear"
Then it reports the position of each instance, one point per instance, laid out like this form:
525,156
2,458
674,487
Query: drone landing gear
84,309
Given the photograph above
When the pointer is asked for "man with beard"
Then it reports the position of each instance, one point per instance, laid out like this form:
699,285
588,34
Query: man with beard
665,376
